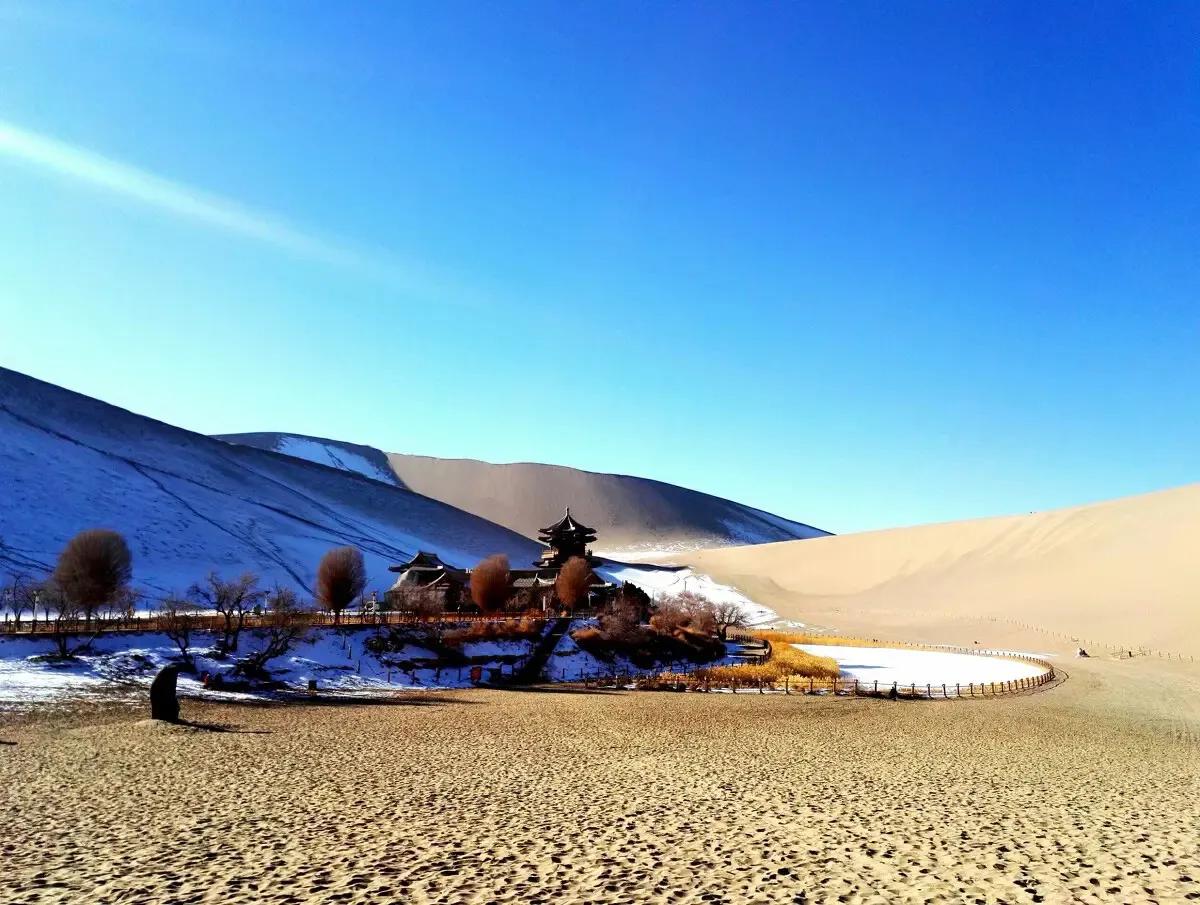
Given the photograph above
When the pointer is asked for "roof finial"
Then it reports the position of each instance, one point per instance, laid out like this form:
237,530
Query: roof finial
568,512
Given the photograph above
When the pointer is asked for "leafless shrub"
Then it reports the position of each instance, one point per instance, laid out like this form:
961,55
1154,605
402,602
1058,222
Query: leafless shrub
523,629
341,577
490,583
573,582
232,600
93,568
684,611
622,620
19,596
62,616
282,627
179,620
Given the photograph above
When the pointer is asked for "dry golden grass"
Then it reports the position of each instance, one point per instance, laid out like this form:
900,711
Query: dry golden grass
785,662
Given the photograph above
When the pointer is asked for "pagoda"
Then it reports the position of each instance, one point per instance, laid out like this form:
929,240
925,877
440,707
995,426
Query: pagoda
565,538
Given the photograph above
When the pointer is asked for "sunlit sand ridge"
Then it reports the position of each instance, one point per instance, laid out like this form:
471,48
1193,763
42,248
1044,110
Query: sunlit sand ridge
1124,574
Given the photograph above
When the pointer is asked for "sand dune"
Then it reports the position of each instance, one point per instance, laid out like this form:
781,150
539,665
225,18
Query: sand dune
1124,572
631,514
189,503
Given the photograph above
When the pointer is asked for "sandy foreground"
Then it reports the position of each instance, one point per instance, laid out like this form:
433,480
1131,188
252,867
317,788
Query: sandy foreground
1086,792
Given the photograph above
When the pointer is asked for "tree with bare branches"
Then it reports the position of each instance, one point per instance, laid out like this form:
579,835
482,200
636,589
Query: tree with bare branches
685,610
574,580
62,616
19,597
728,614
490,581
93,569
232,600
422,602
282,627
179,620
341,577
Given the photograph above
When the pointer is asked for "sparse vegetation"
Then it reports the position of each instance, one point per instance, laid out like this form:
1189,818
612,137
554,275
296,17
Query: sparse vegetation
282,628
179,620
232,600
490,583
341,577
681,629
524,629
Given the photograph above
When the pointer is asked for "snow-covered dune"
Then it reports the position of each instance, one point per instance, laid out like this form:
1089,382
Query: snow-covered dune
634,516
189,503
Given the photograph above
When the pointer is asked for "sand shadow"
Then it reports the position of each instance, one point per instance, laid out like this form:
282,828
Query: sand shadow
559,689
220,727
415,699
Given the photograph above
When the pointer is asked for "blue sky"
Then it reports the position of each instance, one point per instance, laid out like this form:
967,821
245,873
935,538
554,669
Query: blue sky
861,264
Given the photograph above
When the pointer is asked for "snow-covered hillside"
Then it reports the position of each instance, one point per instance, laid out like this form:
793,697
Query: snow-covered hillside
189,503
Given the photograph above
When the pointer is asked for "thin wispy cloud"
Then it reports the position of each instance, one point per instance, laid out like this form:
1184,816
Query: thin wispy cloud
220,213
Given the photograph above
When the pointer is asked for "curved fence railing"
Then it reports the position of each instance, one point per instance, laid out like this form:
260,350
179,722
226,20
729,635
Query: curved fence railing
698,680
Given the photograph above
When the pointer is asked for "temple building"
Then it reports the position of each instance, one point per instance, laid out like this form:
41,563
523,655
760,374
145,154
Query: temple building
565,539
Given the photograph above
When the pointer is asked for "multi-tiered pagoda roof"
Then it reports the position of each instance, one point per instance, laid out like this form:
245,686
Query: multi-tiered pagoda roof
565,538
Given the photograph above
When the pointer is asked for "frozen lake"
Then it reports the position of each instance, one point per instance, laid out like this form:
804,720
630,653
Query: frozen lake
886,665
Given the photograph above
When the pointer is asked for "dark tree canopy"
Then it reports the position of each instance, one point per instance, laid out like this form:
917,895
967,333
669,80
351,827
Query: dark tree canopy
490,583
573,581
341,577
93,568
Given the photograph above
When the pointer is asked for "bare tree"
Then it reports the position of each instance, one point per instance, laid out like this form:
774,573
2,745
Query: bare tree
64,623
728,614
232,600
283,627
179,620
622,619
685,610
490,583
341,577
93,568
19,597
573,582
424,603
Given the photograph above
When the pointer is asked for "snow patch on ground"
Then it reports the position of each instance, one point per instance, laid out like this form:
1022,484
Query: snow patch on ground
120,666
334,457
886,665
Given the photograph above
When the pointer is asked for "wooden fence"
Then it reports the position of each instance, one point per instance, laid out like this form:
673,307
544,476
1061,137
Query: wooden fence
212,622
696,680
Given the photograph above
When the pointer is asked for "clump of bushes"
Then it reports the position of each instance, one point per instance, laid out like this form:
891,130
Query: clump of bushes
681,628
526,628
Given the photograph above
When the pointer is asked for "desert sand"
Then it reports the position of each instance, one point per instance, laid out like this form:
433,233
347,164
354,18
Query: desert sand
1120,574
1088,791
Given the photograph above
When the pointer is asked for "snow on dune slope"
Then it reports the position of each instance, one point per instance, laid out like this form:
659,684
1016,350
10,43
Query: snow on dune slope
189,503
659,581
634,516
333,456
